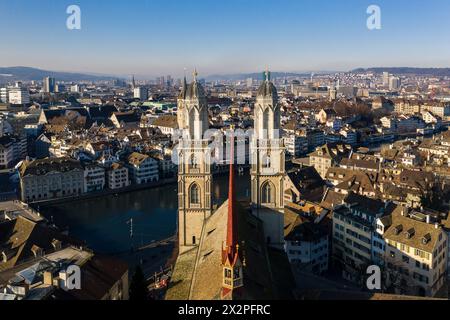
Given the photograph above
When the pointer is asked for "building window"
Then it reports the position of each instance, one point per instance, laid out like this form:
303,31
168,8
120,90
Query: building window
267,193
195,194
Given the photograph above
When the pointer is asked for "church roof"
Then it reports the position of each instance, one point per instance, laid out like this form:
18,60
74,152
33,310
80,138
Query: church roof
20,236
198,272
192,91
267,89
195,90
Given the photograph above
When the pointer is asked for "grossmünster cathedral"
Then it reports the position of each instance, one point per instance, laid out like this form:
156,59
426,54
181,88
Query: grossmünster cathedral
236,251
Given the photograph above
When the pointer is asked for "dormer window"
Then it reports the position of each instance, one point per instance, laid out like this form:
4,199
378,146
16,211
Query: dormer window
410,233
56,244
426,238
228,280
37,251
398,229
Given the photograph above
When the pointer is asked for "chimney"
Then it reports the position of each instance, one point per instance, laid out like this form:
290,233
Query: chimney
404,211
48,278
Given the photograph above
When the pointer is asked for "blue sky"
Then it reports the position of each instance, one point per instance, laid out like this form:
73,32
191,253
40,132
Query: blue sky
157,37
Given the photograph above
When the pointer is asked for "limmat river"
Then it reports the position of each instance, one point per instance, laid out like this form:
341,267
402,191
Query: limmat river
104,223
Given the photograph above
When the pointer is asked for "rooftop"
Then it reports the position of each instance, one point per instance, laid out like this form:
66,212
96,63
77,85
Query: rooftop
418,230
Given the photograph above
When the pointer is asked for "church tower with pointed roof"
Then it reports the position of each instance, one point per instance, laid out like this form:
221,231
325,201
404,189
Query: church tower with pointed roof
226,254
232,260
267,167
231,255
194,169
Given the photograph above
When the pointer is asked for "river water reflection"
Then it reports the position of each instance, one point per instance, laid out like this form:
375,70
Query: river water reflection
103,222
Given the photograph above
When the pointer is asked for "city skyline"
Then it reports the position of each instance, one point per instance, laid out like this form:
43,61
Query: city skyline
153,38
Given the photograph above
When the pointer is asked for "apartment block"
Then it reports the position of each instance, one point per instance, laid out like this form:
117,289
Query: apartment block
142,168
117,176
51,178
416,254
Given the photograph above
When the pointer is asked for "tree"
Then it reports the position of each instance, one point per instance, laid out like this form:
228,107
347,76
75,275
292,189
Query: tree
138,286
432,199
395,281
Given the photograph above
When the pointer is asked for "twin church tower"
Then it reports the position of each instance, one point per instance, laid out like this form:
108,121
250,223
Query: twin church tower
194,170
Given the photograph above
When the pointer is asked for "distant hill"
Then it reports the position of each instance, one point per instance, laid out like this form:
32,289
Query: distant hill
437,72
10,74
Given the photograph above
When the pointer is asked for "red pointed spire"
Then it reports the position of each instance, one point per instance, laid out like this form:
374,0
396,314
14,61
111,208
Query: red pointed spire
230,251
233,273
231,232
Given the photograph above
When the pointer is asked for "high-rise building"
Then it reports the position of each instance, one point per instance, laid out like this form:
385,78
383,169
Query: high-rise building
49,85
120,83
160,81
385,79
169,81
4,95
141,93
75,88
394,83
333,93
268,159
60,88
18,94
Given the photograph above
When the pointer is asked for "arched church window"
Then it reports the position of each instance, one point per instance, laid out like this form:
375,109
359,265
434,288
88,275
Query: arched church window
268,192
195,194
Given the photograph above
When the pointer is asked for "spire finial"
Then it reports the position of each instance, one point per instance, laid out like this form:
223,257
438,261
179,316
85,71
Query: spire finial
267,74
195,74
